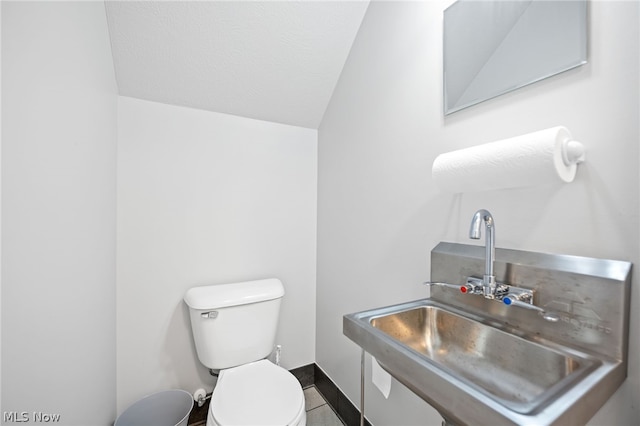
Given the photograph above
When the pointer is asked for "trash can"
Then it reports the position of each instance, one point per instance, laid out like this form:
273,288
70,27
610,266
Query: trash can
166,408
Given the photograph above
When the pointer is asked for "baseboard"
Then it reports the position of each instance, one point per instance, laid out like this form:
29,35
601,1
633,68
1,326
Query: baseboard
348,413
305,375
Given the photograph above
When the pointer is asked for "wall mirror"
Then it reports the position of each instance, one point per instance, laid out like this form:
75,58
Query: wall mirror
492,47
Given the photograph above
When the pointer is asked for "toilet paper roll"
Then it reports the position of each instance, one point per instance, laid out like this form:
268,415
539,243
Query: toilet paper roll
539,158
380,378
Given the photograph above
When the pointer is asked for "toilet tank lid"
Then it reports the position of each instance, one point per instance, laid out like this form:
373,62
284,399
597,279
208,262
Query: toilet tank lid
234,294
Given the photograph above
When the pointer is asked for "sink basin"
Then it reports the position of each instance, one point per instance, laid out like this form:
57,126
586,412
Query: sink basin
516,372
475,370
480,362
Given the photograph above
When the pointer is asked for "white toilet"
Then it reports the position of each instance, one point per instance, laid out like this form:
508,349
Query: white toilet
234,329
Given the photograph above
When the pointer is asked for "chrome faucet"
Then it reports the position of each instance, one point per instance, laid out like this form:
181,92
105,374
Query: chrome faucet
489,285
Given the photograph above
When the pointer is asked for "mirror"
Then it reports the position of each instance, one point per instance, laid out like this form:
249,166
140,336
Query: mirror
492,47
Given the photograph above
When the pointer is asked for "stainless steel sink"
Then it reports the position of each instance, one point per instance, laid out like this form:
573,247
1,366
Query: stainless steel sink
478,361
516,372
446,355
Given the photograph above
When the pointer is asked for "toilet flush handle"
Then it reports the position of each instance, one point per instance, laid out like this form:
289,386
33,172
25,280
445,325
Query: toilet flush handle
210,314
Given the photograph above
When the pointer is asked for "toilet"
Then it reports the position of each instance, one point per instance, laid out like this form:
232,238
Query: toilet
234,329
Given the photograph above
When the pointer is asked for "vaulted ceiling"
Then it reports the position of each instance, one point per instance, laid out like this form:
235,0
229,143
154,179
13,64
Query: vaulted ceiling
270,60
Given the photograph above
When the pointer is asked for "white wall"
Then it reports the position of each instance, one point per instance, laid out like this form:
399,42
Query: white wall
58,211
207,198
379,214
0,206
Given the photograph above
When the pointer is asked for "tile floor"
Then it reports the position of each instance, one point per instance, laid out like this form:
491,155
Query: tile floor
319,413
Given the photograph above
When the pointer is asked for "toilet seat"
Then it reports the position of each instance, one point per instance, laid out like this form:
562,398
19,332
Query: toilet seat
259,393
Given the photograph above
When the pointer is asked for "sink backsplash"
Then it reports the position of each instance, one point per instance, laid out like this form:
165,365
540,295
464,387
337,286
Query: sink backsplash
591,296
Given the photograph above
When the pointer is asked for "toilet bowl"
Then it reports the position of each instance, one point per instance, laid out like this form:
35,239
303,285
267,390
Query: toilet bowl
234,328
259,393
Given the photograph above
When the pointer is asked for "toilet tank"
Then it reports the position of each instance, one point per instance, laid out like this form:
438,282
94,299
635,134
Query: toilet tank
236,323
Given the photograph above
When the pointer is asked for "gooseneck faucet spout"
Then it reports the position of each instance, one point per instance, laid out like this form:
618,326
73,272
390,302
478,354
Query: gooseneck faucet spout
489,279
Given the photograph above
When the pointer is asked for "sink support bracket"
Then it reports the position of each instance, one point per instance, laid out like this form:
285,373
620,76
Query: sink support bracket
362,388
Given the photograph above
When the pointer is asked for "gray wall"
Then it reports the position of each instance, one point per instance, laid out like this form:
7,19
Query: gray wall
59,212
379,214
